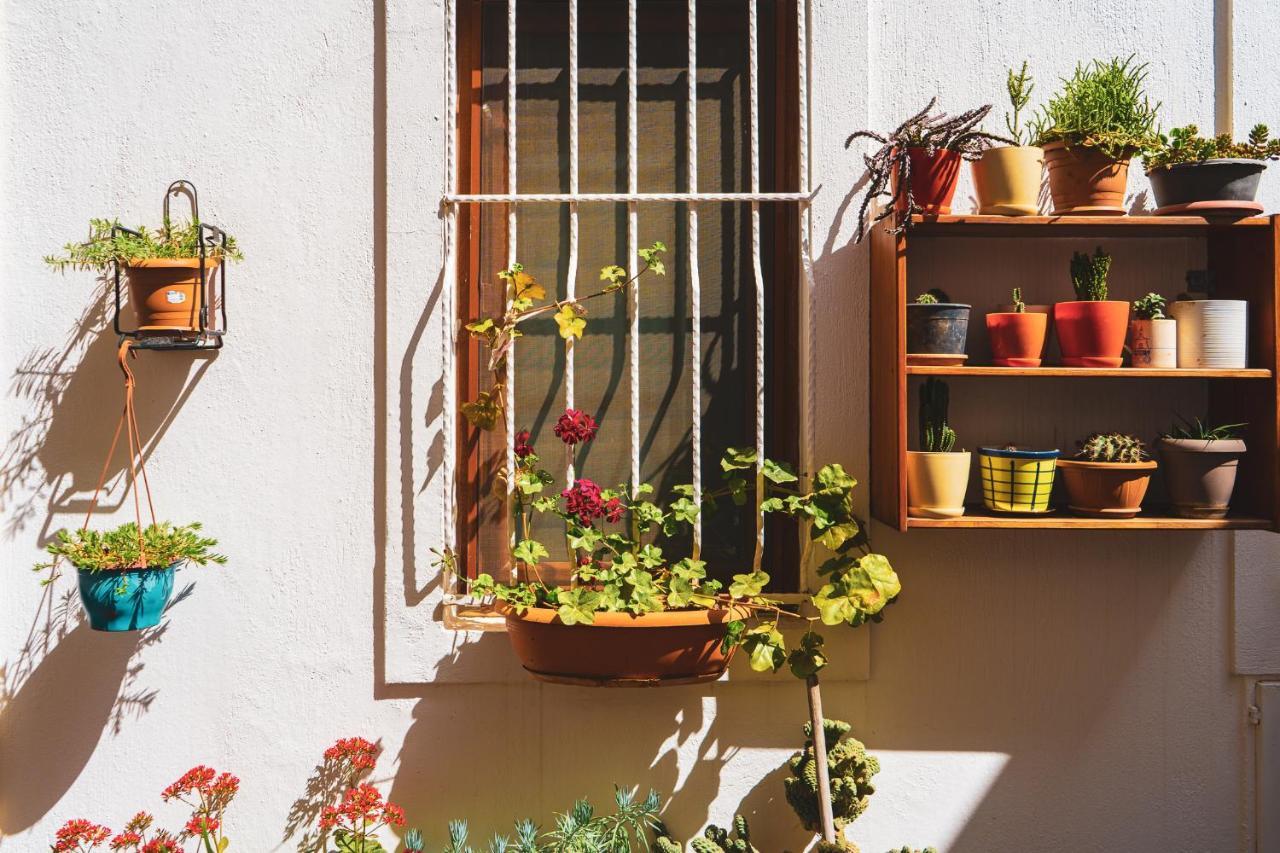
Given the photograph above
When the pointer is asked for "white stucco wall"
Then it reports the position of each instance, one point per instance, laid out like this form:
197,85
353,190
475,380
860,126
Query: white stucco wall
1082,699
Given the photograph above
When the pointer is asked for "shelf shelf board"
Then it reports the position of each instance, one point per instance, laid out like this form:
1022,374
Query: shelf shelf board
976,225
980,517
1093,372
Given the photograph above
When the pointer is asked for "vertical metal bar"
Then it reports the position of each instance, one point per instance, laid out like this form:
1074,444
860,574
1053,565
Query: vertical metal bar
753,51
571,279
695,283
510,391
633,337
450,342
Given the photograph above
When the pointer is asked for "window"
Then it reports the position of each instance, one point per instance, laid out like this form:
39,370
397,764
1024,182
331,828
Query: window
665,316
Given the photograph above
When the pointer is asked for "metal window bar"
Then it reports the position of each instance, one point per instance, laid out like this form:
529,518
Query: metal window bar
452,200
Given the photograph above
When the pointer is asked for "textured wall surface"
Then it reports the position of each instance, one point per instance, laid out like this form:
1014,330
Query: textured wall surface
1053,691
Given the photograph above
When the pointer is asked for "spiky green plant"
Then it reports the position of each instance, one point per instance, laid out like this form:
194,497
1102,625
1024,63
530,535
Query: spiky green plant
840,845
666,844
413,842
1204,430
122,548
908,849
102,248
936,436
1112,447
1104,106
926,299
718,840
1019,307
850,770
1089,275
1019,86
1186,145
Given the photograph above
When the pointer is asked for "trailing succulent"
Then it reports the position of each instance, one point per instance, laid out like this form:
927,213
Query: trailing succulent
157,545
1104,106
850,770
1112,447
1089,275
1186,145
103,248
936,436
889,166
1150,307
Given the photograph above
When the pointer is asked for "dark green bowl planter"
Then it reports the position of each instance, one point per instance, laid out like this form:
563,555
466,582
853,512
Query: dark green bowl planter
939,328
1227,186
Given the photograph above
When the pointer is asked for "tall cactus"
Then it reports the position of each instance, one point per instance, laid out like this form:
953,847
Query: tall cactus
851,771
935,435
1089,275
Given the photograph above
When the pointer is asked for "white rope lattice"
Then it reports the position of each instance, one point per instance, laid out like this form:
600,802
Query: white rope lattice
695,283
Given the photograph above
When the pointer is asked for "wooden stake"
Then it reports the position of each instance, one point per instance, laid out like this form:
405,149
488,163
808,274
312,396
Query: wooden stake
820,756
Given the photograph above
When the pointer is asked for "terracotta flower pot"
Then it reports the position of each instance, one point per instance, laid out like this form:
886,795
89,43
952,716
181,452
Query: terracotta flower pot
1091,334
1201,474
1007,180
622,650
167,294
1017,340
936,483
1153,343
1085,182
933,180
1105,489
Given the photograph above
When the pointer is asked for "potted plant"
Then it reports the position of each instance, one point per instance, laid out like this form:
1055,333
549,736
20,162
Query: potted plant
937,329
162,268
1017,337
1212,333
126,574
1108,478
1016,480
1153,337
918,163
1091,330
1192,174
937,473
1006,178
1200,462
1089,133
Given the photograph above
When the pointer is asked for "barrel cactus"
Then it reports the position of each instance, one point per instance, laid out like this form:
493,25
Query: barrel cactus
717,840
850,770
1112,447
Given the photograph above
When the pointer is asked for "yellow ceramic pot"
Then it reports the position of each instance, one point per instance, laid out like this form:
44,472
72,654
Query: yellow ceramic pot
936,483
1016,480
1007,180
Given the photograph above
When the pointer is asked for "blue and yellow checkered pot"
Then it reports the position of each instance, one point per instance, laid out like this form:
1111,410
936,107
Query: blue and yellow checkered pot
1016,480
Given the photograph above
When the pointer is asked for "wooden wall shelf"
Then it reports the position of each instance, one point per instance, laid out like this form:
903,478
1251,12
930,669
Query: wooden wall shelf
936,252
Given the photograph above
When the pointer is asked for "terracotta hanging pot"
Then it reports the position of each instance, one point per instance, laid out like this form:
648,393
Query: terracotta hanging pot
1007,180
621,649
1201,474
1091,334
1017,339
933,181
1105,489
167,294
1083,181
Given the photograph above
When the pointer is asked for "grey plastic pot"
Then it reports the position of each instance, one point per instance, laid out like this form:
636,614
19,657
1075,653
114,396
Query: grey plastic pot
1201,474
1221,180
938,328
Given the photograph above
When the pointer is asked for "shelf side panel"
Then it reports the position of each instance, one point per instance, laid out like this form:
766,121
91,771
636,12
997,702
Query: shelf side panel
888,378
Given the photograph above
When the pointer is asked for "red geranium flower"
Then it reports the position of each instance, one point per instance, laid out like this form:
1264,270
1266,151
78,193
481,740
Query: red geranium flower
614,509
583,500
576,426
523,447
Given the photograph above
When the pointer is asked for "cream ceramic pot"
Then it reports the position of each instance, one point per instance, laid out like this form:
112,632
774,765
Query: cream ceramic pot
1153,343
936,483
1007,180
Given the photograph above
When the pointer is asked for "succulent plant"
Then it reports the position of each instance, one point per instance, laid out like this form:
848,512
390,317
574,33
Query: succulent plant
717,840
841,845
1186,145
1112,447
1089,275
935,435
908,849
1019,307
666,844
413,841
850,770
1204,430
926,299
1149,307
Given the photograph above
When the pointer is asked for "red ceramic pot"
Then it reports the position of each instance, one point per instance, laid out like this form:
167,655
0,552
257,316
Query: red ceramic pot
1091,334
1017,340
933,180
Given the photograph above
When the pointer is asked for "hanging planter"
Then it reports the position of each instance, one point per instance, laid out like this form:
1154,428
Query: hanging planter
1212,177
1108,478
1200,464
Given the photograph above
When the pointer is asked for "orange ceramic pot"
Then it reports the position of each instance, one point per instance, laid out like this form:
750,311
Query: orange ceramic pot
1105,489
1017,340
1091,334
621,649
167,294
1085,182
933,181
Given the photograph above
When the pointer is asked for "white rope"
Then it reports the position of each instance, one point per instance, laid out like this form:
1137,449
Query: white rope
571,280
754,85
450,342
570,198
510,409
808,387
695,284
633,181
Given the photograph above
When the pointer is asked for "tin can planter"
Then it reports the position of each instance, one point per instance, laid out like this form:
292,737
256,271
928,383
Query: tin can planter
1085,182
621,649
936,483
126,599
1221,186
1212,333
1153,343
933,181
1201,474
1091,334
937,332
1017,339
1017,481
1105,489
167,294
1007,180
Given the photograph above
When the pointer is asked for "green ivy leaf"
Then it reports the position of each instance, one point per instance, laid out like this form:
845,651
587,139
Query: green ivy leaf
808,659
685,510
615,275
652,257
689,569
861,591
766,646
778,472
680,593
571,323
732,635
738,459
748,586
529,551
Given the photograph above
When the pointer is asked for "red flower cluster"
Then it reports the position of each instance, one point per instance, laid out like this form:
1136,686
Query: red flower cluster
357,752
78,832
583,500
201,825
576,426
362,810
162,843
130,838
523,447
196,779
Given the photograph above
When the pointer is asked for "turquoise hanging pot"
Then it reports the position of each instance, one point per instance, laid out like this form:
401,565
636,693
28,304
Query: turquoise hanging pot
126,600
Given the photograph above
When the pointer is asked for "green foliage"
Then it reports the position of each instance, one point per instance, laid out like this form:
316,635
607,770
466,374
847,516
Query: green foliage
840,845
167,241
122,548
580,830
1204,430
1019,86
935,435
1186,145
1112,447
1149,307
1089,275
413,842
665,844
926,299
346,841
906,848
718,840
850,770
1103,105
1019,307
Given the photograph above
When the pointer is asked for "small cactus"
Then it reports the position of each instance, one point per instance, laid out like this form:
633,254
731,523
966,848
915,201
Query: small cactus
926,299
664,844
908,849
717,840
1019,307
1112,447
850,770
1089,275
935,435
840,845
